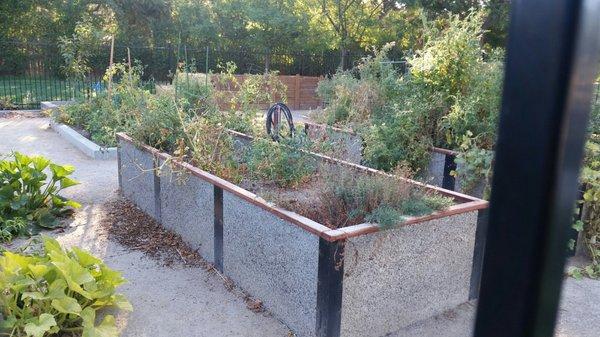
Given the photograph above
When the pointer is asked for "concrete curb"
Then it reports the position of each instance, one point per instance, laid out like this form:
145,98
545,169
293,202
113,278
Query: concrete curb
52,105
85,145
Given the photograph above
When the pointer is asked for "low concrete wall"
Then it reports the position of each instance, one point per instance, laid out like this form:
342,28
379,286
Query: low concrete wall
404,275
83,144
273,260
137,178
435,169
187,208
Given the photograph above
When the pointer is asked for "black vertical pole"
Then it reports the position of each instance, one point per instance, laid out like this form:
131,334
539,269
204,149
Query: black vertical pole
478,252
552,55
329,288
156,177
218,228
448,180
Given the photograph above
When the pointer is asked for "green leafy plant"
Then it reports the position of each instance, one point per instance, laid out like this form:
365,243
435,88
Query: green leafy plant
589,224
28,196
348,198
286,164
57,291
451,92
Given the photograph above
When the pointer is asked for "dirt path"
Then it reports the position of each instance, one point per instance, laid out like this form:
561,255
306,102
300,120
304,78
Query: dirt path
174,301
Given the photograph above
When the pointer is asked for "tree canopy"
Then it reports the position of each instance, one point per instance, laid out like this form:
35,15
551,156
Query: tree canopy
270,26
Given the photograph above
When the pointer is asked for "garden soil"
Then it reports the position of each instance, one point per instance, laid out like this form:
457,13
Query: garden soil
174,292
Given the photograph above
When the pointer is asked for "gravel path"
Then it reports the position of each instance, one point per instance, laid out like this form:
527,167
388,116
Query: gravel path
173,301
187,302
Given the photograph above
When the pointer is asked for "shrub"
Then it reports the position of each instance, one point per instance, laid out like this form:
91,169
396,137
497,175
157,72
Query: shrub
28,200
160,123
57,291
352,97
286,164
210,147
107,113
590,221
192,88
349,198
595,118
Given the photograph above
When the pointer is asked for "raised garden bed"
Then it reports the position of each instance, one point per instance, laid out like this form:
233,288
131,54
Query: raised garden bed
440,164
351,281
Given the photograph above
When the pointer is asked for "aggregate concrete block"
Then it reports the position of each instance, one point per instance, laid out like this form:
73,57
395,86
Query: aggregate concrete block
187,208
274,260
435,169
348,146
400,276
137,178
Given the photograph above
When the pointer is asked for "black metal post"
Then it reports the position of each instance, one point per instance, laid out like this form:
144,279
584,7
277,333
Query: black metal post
552,54
448,181
218,228
478,252
329,288
156,176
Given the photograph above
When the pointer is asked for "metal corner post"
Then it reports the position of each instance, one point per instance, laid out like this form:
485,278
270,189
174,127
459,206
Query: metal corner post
329,288
551,60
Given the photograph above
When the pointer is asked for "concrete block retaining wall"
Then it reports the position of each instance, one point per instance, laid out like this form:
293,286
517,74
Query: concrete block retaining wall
353,281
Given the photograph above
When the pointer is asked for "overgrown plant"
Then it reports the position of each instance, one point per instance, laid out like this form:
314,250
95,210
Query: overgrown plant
29,198
57,292
589,224
451,93
241,97
348,198
286,163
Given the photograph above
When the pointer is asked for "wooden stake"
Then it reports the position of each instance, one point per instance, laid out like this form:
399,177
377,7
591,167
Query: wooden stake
110,63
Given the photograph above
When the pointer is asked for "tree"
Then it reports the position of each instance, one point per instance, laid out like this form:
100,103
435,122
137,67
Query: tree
274,26
350,20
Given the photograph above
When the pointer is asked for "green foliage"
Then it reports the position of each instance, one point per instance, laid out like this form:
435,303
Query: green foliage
475,165
57,291
28,199
595,113
285,164
448,61
590,223
160,123
450,99
348,198
110,112
196,91
353,97
210,147
397,138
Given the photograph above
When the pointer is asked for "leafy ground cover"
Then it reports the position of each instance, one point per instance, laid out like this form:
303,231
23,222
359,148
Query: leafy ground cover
29,197
50,290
